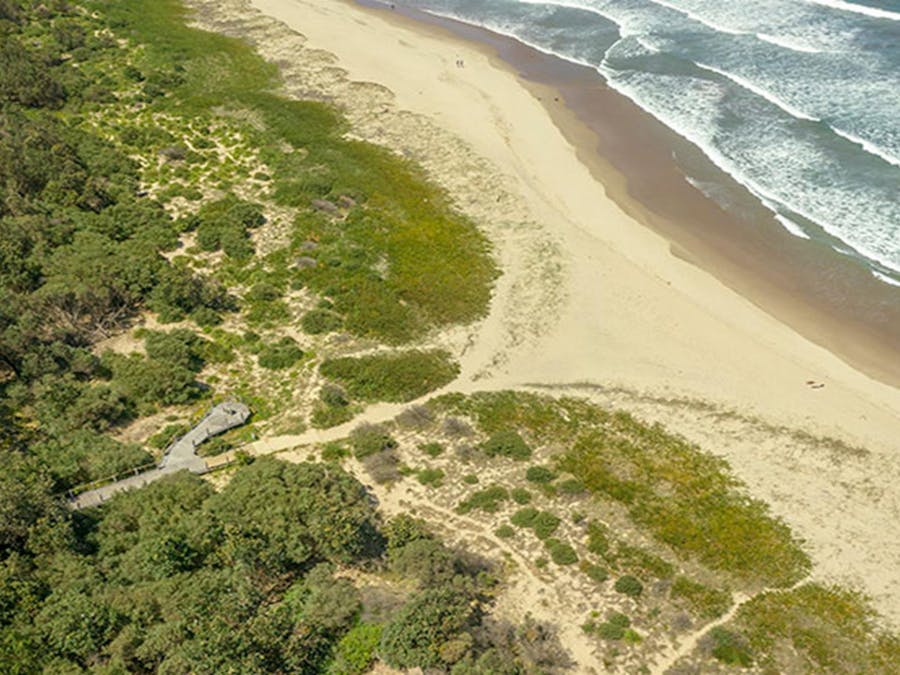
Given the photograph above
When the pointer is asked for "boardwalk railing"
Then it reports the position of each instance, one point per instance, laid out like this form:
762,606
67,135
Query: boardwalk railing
100,482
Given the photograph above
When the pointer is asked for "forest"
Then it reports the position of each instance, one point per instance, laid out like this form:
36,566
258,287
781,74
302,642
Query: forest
288,568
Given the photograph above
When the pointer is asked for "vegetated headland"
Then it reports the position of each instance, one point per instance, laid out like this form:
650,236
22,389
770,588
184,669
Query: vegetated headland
183,222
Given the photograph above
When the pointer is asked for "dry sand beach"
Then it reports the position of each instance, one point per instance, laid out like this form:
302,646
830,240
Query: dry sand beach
591,301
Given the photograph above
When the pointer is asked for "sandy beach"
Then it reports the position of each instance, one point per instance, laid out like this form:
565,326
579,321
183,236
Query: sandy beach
592,301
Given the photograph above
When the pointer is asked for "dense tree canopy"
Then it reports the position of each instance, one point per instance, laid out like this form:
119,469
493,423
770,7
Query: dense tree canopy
176,577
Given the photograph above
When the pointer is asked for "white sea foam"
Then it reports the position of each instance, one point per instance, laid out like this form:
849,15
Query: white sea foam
625,29
869,147
885,278
773,161
857,9
508,32
759,91
865,242
719,28
791,226
789,43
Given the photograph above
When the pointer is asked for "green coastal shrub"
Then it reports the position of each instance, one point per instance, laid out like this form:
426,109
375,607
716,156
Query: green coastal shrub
167,435
596,573
506,443
572,487
685,498
598,539
560,552
524,517
356,651
629,585
318,321
333,396
395,377
432,477
504,532
520,495
333,408
432,449
729,647
224,225
545,524
425,624
325,417
280,355
489,500
708,603
643,562
369,440
539,474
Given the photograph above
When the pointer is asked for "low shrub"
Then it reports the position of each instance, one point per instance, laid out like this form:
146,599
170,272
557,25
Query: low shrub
355,652
383,467
319,321
598,539
524,517
333,396
640,561
325,417
709,603
505,532
470,479
619,619
507,443
539,474
560,552
545,524
432,449
489,500
520,496
572,486
629,585
167,435
396,378
432,477
610,631
280,355
729,647
596,573
334,452
368,440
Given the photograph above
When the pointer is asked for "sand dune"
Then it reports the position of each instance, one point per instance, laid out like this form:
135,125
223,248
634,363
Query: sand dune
589,295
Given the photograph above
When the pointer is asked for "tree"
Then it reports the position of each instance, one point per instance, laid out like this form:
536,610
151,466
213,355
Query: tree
148,382
26,501
25,79
274,514
180,347
426,623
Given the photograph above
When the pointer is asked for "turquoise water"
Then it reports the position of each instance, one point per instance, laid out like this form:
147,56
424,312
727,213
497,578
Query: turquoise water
798,100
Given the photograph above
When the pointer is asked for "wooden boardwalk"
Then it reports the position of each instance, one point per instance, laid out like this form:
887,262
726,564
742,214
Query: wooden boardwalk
181,455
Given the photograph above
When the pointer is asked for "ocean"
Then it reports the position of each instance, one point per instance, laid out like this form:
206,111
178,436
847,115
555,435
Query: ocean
798,101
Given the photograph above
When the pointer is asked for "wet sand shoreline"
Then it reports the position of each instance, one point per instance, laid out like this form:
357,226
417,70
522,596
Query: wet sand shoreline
829,298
